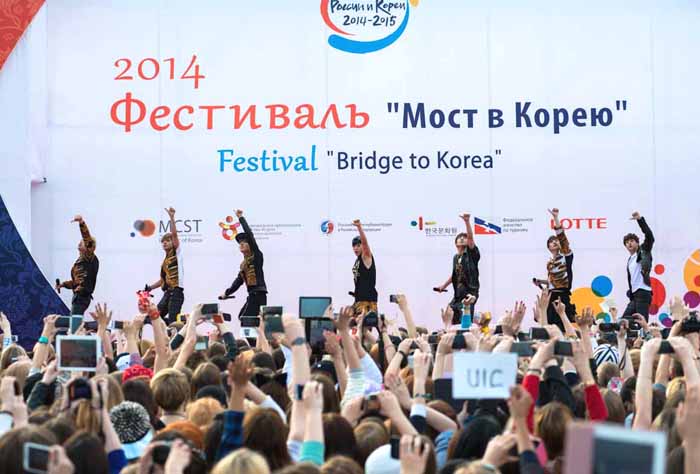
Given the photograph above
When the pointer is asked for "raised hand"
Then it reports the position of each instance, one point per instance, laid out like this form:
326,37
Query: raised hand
470,299
498,450
519,402
613,314
560,308
395,384
445,344
357,223
239,213
239,373
413,453
50,373
554,212
446,315
636,216
102,315
78,219
170,211
331,345
178,458
5,324
293,328
486,343
586,319
421,365
344,317
59,463
405,345
518,314
313,396
389,404
688,416
465,217
542,303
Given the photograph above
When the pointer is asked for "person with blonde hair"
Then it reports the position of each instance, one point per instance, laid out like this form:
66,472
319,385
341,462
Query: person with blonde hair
242,461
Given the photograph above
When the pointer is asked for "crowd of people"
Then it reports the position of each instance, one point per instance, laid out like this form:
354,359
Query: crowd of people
366,403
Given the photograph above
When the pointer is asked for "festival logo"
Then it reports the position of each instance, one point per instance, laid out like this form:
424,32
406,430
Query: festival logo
327,227
365,26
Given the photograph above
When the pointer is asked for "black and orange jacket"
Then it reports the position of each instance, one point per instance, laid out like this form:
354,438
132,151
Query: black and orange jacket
560,273
84,271
251,270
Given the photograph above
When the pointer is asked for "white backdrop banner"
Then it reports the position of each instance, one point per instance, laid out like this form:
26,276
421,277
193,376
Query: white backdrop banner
403,114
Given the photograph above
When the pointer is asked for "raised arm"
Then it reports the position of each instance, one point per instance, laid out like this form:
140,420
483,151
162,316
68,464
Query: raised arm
332,347
190,341
41,350
246,228
403,306
470,233
102,316
643,390
648,236
160,338
366,252
88,241
561,235
173,227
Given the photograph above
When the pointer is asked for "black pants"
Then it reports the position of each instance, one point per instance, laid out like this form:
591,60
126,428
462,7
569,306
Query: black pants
253,303
79,304
565,297
171,304
639,303
456,304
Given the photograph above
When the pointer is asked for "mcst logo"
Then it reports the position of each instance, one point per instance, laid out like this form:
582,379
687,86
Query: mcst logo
147,227
327,227
365,26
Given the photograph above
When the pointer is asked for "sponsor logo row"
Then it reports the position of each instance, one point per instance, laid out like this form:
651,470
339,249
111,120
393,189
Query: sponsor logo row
191,230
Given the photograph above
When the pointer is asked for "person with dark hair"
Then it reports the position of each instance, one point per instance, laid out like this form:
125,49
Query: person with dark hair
251,271
364,273
560,274
171,274
86,452
465,272
139,391
12,442
84,271
339,436
639,269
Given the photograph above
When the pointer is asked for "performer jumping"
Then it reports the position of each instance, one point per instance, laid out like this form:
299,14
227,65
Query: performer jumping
171,274
251,271
465,271
364,273
559,273
639,269
84,271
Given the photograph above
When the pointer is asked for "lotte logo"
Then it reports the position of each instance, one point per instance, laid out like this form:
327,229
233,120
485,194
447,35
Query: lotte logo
582,223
